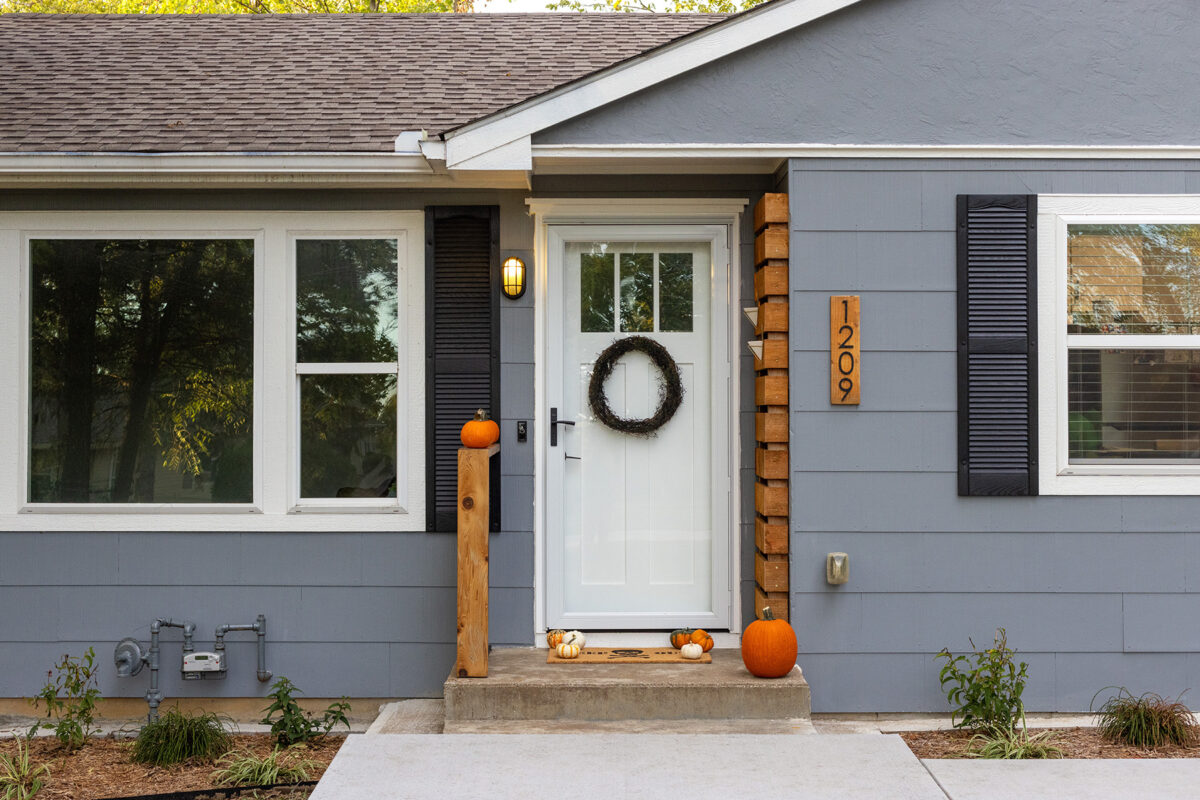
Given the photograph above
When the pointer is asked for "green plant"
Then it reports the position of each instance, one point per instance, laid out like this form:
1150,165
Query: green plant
20,777
985,686
1144,721
1012,742
243,768
176,737
70,697
294,724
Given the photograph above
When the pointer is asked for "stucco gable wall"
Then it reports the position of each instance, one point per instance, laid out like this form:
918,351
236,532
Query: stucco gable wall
935,72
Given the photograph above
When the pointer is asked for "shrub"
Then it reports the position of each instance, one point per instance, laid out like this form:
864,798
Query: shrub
294,724
71,697
175,737
247,769
1144,721
1013,742
985,686
20,778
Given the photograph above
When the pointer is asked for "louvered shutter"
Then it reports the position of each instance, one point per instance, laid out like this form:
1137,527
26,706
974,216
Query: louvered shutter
462,346
997,345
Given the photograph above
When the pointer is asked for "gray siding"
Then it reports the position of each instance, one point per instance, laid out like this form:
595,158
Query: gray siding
930,72
360,614
1094,591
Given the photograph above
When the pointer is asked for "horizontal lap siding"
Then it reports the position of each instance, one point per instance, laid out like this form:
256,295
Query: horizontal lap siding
1094,591
359,614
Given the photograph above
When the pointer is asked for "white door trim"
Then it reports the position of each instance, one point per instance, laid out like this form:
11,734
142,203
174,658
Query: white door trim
681,211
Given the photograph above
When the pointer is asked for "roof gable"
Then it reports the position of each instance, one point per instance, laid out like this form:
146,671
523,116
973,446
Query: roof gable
291,83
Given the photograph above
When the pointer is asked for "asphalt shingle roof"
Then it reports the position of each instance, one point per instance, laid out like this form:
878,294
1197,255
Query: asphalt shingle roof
249,83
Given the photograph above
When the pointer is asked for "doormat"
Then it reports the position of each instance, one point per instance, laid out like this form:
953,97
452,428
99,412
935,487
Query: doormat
628,655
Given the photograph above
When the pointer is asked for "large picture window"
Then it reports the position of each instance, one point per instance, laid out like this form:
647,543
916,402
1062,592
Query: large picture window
141,371
1121,278
211,370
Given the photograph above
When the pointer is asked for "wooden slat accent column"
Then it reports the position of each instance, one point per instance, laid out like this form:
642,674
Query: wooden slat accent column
473,514
771,406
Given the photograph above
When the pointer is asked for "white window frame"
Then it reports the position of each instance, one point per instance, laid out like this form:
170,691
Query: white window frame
276,435
1056,475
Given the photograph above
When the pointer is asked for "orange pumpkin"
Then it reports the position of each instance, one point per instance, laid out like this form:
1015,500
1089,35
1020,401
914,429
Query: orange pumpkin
680,637
480,432
555,637
702,638
769,647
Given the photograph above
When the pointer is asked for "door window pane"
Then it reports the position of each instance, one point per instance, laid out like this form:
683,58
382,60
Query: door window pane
346,300
347,436
1134,279
142,370
1134,405
637,292
675,291
596,292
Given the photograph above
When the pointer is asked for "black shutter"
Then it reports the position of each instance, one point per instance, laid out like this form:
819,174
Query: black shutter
462,367
997,344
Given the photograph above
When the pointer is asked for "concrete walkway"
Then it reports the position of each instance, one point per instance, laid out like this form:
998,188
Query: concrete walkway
845,756
645,766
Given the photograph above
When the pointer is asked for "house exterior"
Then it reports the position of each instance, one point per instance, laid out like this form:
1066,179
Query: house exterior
255,267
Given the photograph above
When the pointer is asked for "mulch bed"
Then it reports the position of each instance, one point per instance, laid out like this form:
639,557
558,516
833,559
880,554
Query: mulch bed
1074,742
102,769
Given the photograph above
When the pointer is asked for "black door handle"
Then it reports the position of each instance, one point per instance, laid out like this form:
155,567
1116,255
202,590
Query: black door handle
554,423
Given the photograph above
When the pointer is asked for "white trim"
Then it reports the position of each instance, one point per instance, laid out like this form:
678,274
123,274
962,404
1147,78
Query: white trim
607,211
243,169
630,154
275,427
621,80
1057,476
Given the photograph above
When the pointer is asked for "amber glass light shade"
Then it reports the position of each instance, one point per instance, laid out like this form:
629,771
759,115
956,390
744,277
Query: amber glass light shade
512,278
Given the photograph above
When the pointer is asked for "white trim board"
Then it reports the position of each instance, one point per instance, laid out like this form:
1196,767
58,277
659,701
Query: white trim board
515,124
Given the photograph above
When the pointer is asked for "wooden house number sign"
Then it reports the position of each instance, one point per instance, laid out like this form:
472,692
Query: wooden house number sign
843,350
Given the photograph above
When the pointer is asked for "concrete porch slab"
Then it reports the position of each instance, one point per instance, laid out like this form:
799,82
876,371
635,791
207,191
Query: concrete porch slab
1074,779
522,686
626,767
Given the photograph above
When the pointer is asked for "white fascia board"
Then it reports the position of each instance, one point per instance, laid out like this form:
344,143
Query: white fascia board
559,155
207,163
221,170
696,50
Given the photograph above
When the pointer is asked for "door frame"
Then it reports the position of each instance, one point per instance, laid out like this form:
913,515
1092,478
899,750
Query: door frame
555,212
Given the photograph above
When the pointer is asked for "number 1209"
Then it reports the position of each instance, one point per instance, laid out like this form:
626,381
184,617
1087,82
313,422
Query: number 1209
843,350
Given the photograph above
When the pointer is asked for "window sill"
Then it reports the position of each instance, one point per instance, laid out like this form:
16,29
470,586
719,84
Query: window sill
241,520
1121,484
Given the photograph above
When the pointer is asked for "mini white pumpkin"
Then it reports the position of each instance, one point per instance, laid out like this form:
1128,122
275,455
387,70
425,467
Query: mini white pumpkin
567,651
691,650
574,637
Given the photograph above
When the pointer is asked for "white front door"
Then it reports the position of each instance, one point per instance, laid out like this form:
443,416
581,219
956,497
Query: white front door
638,535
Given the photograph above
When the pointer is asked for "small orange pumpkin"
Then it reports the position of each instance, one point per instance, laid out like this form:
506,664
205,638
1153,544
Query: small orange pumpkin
480,432
555,637
680,637
702,638
769,647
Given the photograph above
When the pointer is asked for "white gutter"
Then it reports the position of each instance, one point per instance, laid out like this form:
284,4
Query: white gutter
212,163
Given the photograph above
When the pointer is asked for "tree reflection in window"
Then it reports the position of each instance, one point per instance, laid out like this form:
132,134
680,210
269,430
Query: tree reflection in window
637,292
675,292
142,368
346,300
596,292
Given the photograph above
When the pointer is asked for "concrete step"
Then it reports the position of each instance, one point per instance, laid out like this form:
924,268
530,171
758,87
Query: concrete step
522,686
788,727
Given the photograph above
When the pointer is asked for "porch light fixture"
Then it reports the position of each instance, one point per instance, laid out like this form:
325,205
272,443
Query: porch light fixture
512,278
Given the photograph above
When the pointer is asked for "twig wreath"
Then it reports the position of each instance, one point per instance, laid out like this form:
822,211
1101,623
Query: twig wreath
670,388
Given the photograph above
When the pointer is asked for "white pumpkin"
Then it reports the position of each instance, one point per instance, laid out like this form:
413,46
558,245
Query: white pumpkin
691,651
567,651
574,637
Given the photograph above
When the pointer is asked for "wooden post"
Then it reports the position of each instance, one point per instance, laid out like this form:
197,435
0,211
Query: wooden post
473,515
